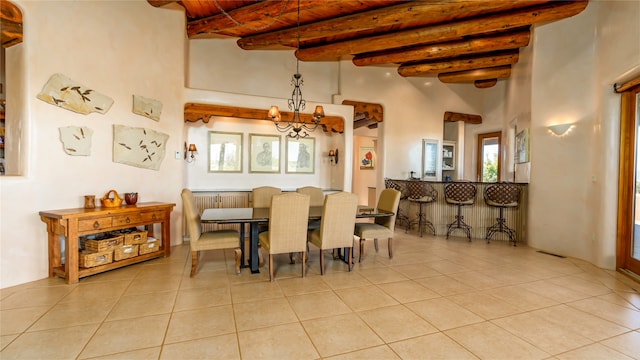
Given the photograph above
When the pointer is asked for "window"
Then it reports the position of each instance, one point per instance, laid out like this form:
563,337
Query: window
488,166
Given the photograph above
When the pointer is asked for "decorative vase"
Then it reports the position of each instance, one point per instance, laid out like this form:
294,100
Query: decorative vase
131,198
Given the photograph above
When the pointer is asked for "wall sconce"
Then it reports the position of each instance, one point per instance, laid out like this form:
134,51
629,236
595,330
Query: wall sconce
560,130
192,150
333,156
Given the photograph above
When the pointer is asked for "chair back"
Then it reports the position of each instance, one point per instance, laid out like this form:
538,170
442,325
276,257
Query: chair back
316,195
288,219
460,193
192,216
502,194
338,220
388,201
262,196
421,191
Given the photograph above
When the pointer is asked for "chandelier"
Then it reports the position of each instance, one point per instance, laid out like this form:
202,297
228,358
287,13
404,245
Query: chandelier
296,128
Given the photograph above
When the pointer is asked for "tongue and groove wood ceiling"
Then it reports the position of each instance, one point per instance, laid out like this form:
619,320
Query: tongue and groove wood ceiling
458,41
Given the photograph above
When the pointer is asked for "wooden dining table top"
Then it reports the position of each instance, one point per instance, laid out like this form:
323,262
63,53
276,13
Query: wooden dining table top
237,215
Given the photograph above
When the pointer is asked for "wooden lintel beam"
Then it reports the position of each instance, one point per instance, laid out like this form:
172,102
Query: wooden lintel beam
484,44
410,14
483,84
467,118
452,65
373,111
444,32
469,76
364,122
203,112
11,20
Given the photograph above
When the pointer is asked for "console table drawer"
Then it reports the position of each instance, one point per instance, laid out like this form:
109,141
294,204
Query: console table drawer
126,219
152,215
94,224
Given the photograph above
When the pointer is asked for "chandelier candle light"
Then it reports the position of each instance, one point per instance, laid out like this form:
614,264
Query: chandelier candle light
296,128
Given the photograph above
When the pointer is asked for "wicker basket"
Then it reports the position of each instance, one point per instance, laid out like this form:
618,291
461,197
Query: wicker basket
107,244
135,237
150,246
125,252
108,201
87,259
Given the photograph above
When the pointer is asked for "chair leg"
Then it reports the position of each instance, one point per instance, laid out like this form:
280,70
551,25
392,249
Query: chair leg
361,249
375,244
390,245
194,262
292,260
304,263
270,267
349,262
321,262
238,256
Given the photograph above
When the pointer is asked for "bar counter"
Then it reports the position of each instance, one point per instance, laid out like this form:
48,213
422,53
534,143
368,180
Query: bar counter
479,216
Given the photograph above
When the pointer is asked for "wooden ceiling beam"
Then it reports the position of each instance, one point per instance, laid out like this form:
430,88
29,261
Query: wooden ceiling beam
483,84
194,112
484,44
444,32
467,118
470,76
364,122
405,15
453,65
11,20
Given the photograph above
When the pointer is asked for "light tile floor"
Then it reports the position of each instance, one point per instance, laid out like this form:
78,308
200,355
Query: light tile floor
438,298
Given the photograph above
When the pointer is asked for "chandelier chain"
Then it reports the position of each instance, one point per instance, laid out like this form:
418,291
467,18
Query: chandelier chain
284,6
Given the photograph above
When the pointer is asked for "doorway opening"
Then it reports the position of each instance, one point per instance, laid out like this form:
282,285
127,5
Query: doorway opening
488,163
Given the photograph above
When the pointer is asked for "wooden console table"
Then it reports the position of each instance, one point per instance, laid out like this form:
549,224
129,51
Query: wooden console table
72,223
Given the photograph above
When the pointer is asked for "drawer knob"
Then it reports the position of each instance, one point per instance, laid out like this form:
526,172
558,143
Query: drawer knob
96,225
128,220
153,217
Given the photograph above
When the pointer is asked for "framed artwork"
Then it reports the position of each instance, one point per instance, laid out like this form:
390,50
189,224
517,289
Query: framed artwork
225,152
522,146
301,155
367,158
264,153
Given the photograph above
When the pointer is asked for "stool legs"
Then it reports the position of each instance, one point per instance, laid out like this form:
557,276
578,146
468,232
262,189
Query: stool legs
422,219
459,224
501,226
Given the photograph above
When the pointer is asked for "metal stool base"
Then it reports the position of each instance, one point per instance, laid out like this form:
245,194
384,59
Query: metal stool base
459,224
500,226
422,220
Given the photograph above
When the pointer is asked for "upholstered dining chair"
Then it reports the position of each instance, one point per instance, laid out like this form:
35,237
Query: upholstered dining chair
382,227
336,226
262,196
288,217
316,198
208,240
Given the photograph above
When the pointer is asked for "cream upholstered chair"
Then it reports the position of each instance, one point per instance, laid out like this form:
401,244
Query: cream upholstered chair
288,217
209,240
383,226
262,196
336,227
316,198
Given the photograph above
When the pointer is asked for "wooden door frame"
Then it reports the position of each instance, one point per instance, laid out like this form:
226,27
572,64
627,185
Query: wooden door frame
479,160
626,180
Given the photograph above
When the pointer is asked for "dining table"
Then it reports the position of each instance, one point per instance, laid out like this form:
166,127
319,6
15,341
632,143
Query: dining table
256,216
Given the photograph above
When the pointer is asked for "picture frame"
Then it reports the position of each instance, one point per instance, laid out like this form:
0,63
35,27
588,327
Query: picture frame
300,156
225,152
522,147
367,158
264,153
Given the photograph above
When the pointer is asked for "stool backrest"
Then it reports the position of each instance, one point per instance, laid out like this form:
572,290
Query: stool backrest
460,193
421,191
502,194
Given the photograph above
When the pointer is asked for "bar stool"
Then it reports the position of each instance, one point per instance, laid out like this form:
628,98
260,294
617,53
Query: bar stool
502,195
422,193
400,186
460,194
